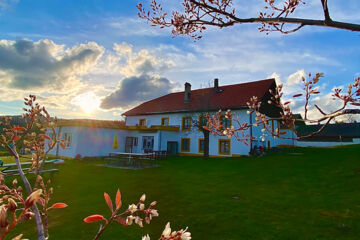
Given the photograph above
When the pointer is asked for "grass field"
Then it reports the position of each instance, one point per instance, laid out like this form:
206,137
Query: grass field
301,193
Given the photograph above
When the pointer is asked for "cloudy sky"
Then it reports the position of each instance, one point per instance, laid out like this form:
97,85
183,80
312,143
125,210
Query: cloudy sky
96,58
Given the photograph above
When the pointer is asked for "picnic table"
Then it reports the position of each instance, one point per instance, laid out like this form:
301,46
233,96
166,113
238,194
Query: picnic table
10,169
134,160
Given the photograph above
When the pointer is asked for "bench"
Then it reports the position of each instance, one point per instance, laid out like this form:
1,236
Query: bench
10,169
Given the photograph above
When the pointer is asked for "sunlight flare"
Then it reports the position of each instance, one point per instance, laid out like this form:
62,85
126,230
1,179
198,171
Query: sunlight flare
88,102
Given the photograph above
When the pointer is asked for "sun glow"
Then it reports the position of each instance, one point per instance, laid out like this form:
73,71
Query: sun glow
88,102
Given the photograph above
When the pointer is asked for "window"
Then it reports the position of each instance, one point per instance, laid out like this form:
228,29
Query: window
165,121
202,121
185,144
148,143
186,123
224,146
142,122
67,138
201,145
225,122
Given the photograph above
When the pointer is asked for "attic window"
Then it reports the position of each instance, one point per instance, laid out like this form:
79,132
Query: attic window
142,122
165,121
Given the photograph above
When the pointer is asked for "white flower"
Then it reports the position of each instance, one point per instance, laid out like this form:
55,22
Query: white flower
132,208
186,235
146,237
167,230
263,130
138,221
248,112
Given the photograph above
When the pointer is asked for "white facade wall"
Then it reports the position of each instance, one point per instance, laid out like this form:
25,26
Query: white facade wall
175,119
90,141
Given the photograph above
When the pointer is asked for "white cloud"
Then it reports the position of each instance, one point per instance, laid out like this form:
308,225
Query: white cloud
295,78
44,65
276,76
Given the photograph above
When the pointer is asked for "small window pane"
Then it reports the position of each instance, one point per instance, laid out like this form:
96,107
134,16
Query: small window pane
186,123
185,145
225,122
67,138
225,147
201,145
142,122
165,121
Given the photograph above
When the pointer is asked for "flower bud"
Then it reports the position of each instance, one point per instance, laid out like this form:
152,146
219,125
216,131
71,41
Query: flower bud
29,215
129,220
33,198
39,179
142,206
167,230
143,197
154,213
12,205
3,217
153,204
146,237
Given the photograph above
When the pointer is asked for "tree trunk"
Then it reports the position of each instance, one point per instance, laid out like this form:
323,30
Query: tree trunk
206,143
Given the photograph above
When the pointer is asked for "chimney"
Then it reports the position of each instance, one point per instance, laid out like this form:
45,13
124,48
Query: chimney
187,92
216,84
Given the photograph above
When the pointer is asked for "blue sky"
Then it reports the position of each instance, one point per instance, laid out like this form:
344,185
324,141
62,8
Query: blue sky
96,59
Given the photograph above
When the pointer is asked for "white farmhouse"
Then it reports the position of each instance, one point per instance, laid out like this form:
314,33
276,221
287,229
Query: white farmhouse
166,124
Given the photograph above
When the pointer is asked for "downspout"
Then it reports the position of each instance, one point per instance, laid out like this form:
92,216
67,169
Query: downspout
57,145
251,132
159,141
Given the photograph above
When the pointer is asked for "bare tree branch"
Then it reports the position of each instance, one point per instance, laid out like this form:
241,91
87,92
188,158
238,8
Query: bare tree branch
198,14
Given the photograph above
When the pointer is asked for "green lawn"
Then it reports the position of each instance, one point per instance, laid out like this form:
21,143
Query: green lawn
297,194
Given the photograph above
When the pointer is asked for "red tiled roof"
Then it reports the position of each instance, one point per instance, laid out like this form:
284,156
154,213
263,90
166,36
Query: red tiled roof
231,97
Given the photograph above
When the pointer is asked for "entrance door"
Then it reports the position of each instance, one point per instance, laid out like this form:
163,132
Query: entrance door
148,144
172,148
131,144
